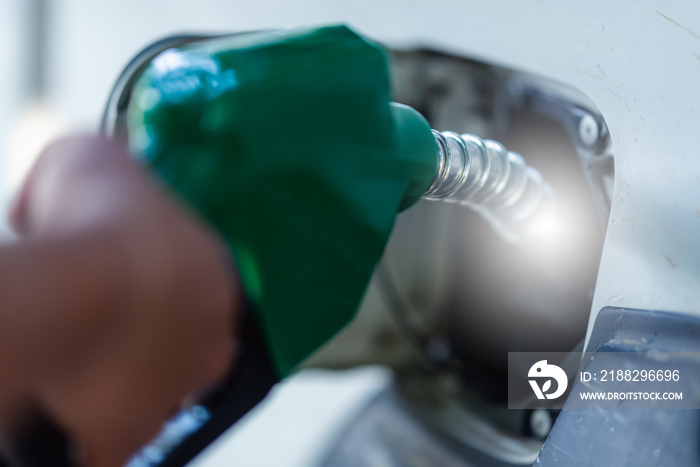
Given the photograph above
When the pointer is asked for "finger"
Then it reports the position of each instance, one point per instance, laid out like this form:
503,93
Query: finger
74,178
20,210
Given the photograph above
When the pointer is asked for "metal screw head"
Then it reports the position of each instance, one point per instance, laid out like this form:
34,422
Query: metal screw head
540,423
588,130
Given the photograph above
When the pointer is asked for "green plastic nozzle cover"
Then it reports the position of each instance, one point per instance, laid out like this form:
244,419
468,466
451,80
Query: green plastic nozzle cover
289,145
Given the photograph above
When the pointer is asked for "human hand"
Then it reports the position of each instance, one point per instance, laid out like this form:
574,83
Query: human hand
143,298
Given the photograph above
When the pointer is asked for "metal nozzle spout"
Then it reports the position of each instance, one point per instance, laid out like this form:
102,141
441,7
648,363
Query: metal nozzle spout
495,182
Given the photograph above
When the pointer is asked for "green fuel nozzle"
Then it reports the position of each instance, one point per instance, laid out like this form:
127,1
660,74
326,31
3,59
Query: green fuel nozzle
289,145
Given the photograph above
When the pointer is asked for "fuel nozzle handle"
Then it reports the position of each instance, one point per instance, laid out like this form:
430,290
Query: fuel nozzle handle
497,183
